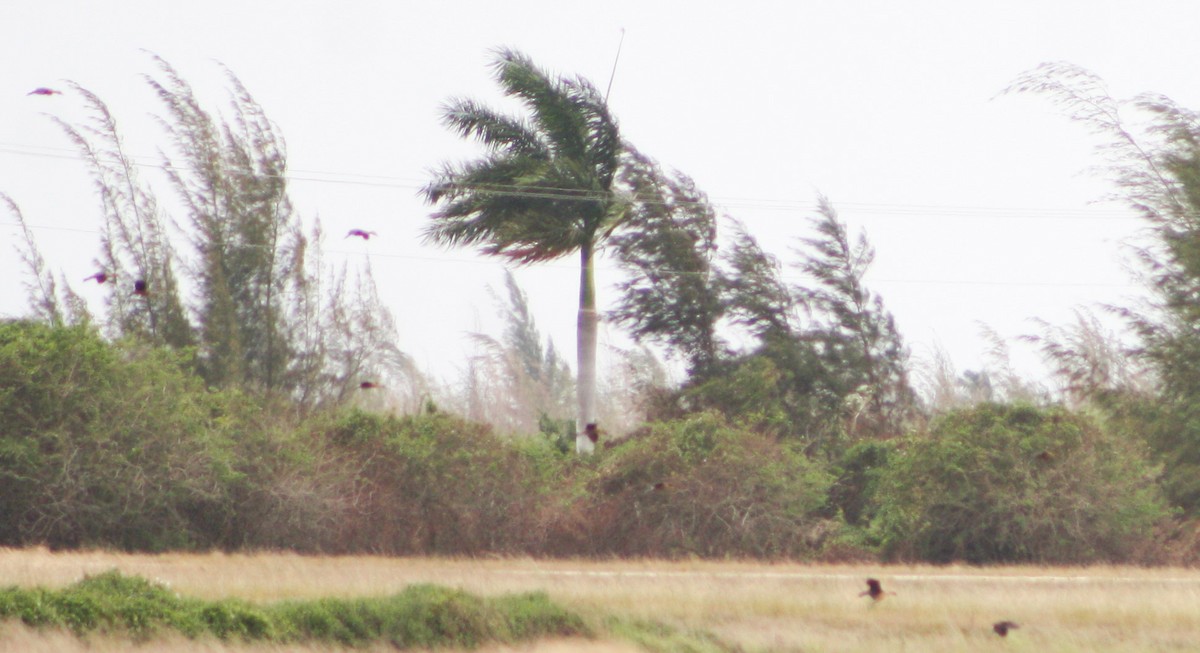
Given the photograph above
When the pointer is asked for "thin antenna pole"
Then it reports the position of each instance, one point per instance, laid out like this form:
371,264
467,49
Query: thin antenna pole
614,70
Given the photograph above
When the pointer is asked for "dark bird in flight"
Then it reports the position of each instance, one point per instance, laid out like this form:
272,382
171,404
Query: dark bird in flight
874,590
365,235
368,385
1002,627
42,90
140,289
99,277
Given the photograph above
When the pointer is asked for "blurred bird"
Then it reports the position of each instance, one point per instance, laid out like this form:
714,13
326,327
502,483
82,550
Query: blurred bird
365,235
368,385
874,590
140,289
42,90
1002,627
659,486
592,432
99,277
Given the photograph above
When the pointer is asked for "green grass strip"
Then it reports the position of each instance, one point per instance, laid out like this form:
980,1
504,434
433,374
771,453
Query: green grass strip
422,616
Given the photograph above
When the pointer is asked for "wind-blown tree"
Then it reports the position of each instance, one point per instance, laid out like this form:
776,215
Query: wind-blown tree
544,189
669,248
820,362
231,178
517,382
43,292
268,314
1154,162
134,240
753,291
858,336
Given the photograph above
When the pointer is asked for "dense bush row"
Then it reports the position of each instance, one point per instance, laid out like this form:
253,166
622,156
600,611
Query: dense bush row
117,445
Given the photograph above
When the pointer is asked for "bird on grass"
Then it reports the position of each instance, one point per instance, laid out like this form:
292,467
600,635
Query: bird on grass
874,590
361,233
1001,628
368,385
140,288
42,90
99,277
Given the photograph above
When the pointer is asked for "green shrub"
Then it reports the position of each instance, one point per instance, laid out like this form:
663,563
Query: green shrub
422,616
856,477
429,484
534,615
698,486
234,619
107,445
1001,483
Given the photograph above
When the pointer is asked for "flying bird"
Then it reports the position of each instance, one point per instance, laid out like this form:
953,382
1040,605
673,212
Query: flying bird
368,385
140,289
874,590
42,90
99,277
365,235
1002,627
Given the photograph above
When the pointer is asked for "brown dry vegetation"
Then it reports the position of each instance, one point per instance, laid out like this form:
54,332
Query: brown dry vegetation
759,607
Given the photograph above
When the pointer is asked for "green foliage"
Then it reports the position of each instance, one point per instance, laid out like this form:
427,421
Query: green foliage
231,179
422,616
999,483
560,433
699,486
1155,168
827,366
853,492
134,239
267,317
542,191
430,483
108,602
753,291
515,382
865,358
663,638
781,391
122,446
102,445
668,247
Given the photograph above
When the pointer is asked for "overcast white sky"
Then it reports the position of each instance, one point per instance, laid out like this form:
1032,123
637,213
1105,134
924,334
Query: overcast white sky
980,208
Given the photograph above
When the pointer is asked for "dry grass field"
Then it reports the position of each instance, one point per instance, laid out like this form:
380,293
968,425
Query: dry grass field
757,607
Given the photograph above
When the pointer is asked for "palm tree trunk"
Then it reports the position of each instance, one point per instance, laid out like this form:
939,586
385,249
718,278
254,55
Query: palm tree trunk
588,324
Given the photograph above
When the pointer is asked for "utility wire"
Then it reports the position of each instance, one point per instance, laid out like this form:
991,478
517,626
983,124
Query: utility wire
446,260
560,194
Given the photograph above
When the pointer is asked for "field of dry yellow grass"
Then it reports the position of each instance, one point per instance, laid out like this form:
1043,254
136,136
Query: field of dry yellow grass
757,607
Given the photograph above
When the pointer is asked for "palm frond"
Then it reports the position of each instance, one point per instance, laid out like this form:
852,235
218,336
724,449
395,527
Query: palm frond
552,108
495,130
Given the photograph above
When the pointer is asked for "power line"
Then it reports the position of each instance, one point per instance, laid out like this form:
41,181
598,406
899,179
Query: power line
547,192
446,260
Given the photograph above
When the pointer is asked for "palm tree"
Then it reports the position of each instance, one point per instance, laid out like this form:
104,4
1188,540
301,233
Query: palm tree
542,191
